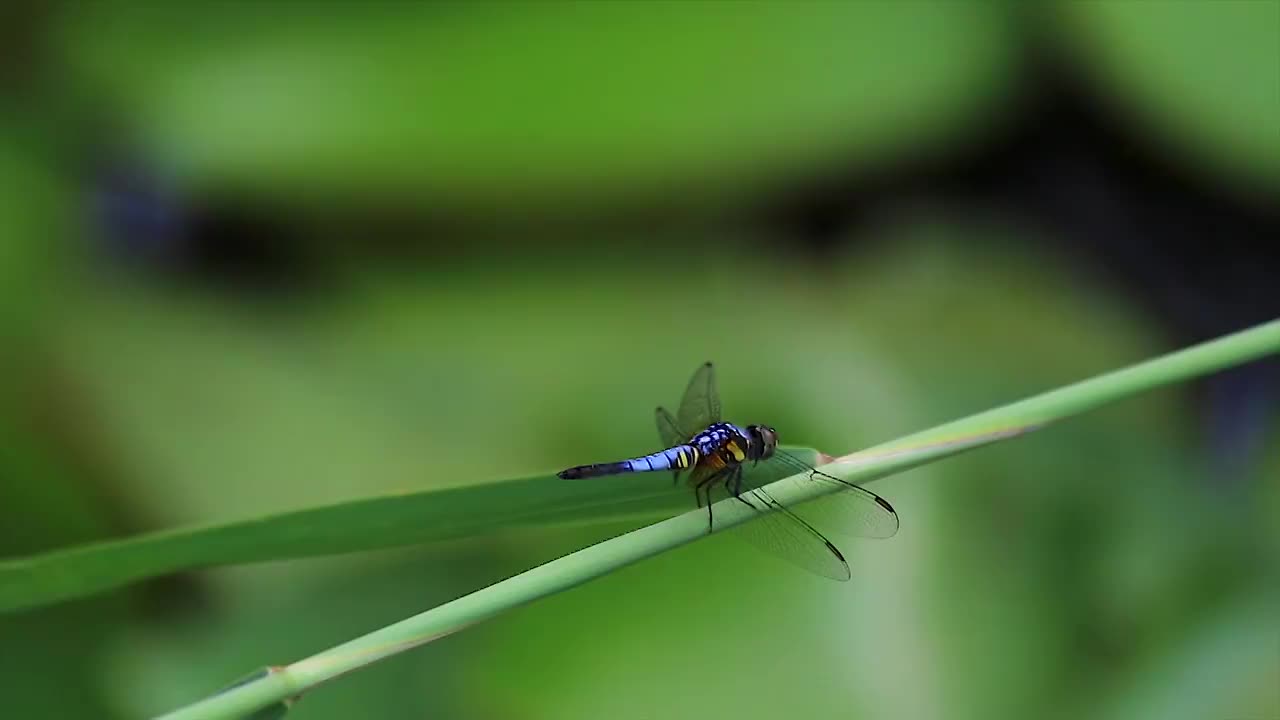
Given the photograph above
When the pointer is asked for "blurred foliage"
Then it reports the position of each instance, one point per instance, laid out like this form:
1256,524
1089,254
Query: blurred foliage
611,100
1097,569
1200,76
49,666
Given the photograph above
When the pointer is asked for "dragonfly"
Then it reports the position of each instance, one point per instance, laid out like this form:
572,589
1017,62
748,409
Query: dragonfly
715,454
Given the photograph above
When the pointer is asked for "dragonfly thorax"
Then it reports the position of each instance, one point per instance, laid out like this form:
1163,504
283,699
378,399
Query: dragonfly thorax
753,442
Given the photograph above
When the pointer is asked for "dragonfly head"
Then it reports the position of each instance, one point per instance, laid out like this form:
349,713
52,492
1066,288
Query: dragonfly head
762,441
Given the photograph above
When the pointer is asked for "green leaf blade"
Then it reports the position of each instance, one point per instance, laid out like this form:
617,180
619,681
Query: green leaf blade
358,525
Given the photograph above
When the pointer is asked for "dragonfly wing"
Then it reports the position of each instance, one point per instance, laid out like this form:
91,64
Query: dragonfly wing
851,510
782,534
700,405
668,429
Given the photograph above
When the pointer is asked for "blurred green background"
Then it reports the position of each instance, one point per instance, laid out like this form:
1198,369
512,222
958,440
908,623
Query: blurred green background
257,258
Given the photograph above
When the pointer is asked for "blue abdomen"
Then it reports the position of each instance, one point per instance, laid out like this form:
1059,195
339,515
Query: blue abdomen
680,457
676,458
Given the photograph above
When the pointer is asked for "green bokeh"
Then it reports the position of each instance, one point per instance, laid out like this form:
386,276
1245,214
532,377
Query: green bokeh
1196,78
1096,569
502,105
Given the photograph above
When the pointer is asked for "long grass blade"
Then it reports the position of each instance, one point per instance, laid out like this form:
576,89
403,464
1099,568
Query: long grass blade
592,562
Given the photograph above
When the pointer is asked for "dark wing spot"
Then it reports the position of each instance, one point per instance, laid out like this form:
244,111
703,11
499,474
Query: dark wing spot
835,551
885,504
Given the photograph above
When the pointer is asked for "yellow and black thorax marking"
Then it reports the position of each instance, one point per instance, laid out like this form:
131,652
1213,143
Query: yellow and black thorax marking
719,446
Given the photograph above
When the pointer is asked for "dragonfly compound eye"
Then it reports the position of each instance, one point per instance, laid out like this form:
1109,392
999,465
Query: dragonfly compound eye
763,440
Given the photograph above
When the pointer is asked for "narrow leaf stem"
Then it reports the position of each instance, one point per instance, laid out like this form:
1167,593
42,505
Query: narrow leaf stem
592,562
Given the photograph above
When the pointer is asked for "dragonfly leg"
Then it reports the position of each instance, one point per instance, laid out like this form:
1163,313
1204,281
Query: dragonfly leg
705,486
733,484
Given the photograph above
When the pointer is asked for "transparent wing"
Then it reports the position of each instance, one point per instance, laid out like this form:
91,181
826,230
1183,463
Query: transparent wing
786,536
700,405
852,510
668,429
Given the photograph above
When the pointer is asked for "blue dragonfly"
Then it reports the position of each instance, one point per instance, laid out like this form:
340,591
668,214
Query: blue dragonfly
715,453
